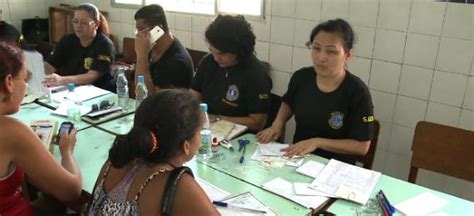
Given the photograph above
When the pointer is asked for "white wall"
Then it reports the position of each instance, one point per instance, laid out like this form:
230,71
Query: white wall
415,56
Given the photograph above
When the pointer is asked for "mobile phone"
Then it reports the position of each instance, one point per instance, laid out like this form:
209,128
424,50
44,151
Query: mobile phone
155,34
65,127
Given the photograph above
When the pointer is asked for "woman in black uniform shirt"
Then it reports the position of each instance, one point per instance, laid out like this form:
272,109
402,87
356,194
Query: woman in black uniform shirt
332,107
85,56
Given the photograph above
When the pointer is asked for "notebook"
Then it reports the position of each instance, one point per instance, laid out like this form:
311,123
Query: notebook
223,129
46,130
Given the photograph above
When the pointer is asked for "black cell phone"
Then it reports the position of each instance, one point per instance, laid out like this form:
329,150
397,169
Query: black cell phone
65,126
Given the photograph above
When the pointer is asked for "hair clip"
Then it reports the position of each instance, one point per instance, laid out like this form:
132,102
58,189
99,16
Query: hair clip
154,142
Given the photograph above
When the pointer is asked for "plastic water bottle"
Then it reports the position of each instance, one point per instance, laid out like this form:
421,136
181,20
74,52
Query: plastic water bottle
122,88
204,151
140,92
73,104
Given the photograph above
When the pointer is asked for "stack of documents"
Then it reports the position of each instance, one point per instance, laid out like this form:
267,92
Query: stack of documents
84,93
223,129
346,181
272,155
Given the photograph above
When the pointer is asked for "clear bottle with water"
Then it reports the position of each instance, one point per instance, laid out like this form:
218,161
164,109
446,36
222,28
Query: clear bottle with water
73,104
204,151
122,88
140,92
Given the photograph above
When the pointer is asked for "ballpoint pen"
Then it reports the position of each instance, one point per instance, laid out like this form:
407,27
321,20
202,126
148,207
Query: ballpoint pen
390,206
227,205
385,210
243,154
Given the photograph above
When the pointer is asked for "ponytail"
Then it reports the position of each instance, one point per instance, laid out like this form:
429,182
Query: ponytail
138,143
104,26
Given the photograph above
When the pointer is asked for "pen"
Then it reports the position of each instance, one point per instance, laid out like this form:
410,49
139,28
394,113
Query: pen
390,206
242,157
385,211
227,205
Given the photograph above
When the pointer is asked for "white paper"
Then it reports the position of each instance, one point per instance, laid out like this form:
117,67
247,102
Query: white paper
294,162
84,93
246,200
429,201
285,188
272,149
303,189
63,107
311,168
34,63
226,130
346,181
213,192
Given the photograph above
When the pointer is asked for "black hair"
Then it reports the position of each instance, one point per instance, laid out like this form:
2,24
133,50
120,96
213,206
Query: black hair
231,34
97,16
11,60
338,26
9,34
172,115
153,15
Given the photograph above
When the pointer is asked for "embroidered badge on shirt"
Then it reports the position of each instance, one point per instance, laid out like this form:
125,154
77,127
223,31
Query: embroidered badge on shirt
104,58
88,63
368,118
263,96
232,93
336,120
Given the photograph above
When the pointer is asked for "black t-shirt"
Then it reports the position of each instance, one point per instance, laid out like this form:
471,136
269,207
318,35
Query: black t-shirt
237,91
72,58
345,113
174,68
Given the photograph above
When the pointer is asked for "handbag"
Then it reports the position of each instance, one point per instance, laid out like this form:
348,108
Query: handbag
170,188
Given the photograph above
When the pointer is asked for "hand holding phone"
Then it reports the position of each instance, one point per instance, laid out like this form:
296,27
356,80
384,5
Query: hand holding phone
155,34
66,127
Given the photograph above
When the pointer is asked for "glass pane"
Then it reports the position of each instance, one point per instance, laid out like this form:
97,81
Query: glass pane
134,2
244,7
187,6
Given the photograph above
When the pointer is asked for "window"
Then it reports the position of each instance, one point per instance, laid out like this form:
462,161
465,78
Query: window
209,7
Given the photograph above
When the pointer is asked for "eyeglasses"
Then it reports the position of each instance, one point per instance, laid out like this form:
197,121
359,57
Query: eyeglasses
82,23
103,105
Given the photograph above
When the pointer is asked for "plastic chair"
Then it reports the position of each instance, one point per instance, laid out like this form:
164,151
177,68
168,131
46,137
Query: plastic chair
443,149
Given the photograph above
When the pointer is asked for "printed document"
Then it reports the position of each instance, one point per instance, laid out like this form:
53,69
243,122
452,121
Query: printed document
421,204
213,192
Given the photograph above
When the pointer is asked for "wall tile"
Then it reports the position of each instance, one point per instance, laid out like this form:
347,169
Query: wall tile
448,88
280,57
455,55
409,111
421,50
5,11
385,76
261,29
308,9
301,58
379,160
384,135
19,10
114,15
365,41
262,49
426,17
200,23
394,15
469,97
334,9
384,104
466,120
184,22
363,12
283,8
389,45
455,186
199,42
397,166
127,16
185,37
127,30
401,139
443,114
171,19
361,68
459,21
282,30
415,82
280,82
302,32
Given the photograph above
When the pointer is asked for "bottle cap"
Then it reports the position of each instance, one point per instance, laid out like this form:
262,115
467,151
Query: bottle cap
71,86
203,107
121,70
141,79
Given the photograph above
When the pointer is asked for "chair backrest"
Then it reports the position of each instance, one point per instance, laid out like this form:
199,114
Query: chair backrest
443,149
196,57
368,159
128,50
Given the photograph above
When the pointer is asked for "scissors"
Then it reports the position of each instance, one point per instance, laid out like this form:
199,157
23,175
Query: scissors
242,143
